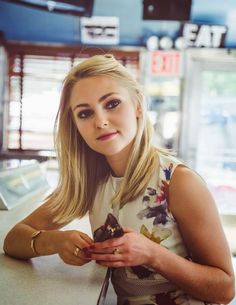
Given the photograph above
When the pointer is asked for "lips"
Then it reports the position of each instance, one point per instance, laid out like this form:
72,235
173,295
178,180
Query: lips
107,136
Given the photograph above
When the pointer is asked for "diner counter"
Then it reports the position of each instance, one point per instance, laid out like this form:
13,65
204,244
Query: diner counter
46,280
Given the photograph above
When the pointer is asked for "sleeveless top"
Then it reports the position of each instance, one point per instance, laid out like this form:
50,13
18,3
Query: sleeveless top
149,214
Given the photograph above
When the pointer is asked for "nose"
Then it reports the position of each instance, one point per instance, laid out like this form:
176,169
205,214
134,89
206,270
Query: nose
101,122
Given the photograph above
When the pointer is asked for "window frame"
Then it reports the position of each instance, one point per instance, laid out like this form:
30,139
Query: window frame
14,50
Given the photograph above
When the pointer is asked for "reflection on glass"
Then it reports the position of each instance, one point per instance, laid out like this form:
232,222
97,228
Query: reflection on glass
216,149
164,105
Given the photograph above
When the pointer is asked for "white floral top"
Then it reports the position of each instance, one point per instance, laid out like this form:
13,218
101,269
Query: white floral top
150,215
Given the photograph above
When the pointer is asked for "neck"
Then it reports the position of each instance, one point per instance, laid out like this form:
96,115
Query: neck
118,162
118,168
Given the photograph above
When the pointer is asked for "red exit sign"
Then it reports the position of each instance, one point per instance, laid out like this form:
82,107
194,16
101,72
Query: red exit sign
166,63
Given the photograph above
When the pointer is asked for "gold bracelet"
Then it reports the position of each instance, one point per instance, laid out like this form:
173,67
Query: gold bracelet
33,237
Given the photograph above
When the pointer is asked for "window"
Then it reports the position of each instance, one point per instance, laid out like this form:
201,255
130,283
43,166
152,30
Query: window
35,82
34,99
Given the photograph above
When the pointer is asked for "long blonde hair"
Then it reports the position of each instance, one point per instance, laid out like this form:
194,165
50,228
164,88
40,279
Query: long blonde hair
82,170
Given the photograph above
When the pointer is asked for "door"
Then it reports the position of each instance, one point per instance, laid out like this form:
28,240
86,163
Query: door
208,137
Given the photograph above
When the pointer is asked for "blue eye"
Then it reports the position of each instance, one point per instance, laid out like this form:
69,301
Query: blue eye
84,114
112,104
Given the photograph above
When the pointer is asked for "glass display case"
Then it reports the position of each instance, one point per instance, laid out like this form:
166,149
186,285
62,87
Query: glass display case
19,181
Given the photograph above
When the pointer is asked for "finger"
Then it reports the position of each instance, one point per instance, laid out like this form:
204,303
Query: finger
86,238
107,245
80,254
77,261
85,241
128,230
109,250
115,264
70,258
81,242
81,260
115,256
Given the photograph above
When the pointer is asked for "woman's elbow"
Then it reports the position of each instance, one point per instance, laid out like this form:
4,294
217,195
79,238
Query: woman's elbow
229,291
6,245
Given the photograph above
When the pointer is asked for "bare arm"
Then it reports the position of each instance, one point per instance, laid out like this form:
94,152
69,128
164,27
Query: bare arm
209,276
18,240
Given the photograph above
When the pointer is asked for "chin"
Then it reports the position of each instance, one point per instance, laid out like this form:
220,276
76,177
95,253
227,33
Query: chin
109,152
113,149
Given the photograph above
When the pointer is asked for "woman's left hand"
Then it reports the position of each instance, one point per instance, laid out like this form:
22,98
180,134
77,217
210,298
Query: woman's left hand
132,249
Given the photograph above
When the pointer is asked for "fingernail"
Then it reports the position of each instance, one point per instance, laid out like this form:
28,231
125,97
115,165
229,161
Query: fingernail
87,254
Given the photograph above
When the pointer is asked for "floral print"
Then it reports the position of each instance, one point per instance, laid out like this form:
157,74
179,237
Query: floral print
150,215
156,206
161,229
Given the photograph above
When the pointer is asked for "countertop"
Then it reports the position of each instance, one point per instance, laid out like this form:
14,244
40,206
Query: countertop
46,280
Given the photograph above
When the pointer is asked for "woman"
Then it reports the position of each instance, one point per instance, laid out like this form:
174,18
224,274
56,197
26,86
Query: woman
174,250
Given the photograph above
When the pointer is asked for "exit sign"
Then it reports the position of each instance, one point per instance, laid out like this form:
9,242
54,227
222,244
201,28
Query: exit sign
166,63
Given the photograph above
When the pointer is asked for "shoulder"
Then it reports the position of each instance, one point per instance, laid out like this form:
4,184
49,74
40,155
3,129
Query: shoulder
185,179
188,193
185,175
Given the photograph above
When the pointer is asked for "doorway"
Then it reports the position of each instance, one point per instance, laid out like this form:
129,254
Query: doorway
208,137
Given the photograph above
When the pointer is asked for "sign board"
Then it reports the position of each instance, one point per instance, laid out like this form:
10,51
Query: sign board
100,30
204,36
166,63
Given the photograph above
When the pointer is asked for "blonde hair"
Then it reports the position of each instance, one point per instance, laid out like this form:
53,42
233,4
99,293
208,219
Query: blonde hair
81,169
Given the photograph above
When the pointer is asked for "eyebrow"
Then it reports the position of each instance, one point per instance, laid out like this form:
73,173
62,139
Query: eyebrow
102,98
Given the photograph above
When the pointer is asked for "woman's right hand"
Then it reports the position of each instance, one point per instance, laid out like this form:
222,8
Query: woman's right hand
67,244
18,241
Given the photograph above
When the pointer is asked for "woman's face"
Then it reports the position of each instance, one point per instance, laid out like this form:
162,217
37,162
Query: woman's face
105,115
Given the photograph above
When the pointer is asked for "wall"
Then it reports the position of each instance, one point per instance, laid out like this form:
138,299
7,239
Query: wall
27,24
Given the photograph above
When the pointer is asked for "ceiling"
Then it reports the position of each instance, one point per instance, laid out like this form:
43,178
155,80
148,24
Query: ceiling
28,24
